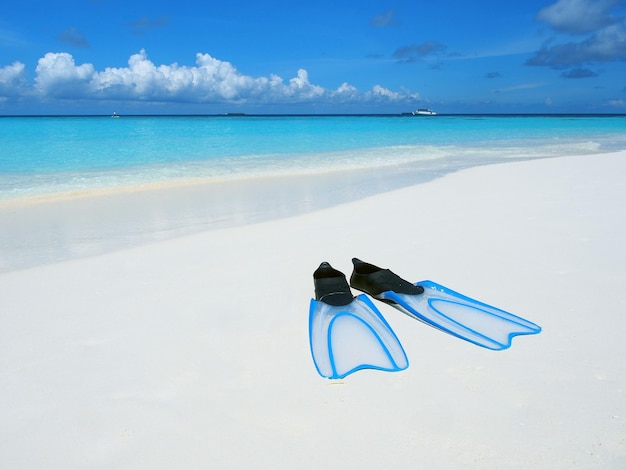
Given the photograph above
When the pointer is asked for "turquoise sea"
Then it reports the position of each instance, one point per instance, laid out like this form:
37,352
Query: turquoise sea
40,156
256,168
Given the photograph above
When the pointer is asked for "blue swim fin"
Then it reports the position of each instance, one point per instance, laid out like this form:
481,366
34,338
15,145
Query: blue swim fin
442,308
348,333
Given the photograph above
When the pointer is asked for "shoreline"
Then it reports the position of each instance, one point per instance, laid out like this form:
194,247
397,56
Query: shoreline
50,230
147,153
385,160
200,342
79,224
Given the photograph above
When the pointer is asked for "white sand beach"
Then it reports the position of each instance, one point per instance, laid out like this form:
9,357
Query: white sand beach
193,352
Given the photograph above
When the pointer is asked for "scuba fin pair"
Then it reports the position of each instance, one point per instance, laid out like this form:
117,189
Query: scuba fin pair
348,333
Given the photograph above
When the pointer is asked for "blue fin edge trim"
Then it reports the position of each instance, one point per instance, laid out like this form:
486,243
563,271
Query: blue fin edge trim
363,298
512,317
498,346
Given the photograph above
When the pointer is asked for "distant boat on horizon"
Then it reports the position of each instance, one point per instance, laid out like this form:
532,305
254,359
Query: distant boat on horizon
115,115
420,112
424,112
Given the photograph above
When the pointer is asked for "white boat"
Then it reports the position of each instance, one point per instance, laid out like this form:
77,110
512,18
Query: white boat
115,115
424,112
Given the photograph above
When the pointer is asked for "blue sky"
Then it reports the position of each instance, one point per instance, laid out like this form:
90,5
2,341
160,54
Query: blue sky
356,56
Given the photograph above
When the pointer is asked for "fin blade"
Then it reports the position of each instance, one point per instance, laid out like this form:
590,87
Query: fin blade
345,339
462,316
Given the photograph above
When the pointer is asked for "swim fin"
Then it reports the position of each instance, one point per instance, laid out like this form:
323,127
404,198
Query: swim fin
442,308
348,333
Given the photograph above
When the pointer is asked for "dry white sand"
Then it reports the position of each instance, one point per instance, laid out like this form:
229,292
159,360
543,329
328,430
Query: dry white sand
193,352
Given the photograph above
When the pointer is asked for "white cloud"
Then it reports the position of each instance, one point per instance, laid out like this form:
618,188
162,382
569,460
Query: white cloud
604,35
578,16
58,76
347,90
210,80
13,80
381,92
302,87
608,45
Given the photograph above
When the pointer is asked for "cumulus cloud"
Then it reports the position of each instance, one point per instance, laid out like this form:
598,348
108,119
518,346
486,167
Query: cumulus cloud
604,34
210,80
58,76
379,93
306,90
347,92
13,81
384,92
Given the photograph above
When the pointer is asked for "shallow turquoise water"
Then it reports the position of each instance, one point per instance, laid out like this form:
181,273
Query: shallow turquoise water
43,155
